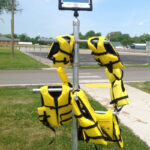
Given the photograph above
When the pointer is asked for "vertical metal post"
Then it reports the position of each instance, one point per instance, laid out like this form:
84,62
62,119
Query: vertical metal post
12,29
76,25
34,50
40,53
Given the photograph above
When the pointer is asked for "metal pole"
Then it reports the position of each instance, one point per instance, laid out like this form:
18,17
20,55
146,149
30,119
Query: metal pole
76,25
40,53
50,90
77,41
12,29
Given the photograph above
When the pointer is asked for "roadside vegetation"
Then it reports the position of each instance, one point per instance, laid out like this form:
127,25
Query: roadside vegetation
20,127
144,86
19,62
124,39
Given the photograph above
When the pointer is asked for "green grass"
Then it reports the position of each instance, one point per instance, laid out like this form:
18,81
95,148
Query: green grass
19,62
21,129
144,86
138,66
127,66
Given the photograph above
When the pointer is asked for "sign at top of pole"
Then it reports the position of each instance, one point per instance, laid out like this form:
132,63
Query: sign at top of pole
75,5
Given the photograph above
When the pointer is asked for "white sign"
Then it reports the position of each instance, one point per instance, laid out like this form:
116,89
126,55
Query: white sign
76,4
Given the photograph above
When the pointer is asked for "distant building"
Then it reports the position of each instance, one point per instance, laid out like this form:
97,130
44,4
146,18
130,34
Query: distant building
117,45
25,43
7,41
139,46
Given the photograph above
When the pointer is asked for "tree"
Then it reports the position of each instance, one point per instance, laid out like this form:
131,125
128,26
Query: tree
91,33
125,39
145,37
10,6
5,5
115,36
86,36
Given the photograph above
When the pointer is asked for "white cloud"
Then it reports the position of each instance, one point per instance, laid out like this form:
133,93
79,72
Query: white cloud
141,23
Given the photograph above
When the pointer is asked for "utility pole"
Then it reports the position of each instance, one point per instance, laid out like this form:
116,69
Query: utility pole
12,29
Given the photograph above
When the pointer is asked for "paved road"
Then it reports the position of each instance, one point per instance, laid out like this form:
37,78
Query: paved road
40,77
127,58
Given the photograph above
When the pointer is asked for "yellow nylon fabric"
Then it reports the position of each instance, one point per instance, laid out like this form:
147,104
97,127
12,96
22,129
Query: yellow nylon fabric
49,101
106,59
84,121
65,46
116,92
110,125
63,76
117,132
112,76
106,123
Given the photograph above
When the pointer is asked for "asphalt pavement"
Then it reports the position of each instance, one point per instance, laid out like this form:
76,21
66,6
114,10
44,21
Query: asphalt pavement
127,57
50,76
86,76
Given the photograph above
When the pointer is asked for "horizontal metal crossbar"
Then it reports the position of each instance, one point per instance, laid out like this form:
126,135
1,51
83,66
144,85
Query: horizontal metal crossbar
104,112
50,90
78,41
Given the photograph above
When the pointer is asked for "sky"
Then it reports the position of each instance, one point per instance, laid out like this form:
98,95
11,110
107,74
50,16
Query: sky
42,17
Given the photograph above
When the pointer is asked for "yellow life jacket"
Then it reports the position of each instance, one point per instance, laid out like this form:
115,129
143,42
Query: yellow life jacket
118,94
104,53
89,129
110,127
61,53
56,106
116,74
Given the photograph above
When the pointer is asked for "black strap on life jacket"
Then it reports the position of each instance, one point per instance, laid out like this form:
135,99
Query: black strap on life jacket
118,99
47,124
109,50
57,107
85,113
65,52
109,65
56,95
60,61
115,101
61,122
98,54
56,48
120,139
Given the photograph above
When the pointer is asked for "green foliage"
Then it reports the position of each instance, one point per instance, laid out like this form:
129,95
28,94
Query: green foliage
5,5
86,36
125,39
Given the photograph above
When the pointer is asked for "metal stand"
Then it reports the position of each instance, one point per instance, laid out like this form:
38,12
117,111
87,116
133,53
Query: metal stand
76,25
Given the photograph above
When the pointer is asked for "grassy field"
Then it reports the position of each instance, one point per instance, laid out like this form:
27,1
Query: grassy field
144,86
20,61
20,128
